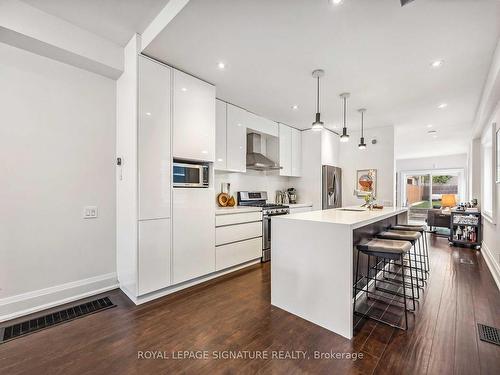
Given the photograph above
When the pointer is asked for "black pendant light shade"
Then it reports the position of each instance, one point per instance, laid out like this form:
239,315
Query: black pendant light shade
317,124
362,144
344,137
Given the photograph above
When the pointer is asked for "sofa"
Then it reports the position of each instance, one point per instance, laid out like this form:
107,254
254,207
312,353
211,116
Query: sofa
438,218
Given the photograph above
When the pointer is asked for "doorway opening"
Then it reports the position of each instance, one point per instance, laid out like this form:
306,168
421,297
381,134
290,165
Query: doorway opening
424,190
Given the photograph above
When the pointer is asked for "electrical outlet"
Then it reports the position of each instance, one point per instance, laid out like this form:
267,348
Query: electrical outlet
90,212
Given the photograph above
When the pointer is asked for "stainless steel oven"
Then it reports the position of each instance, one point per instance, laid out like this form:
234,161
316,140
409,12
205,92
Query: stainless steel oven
190,175
267,215
259,199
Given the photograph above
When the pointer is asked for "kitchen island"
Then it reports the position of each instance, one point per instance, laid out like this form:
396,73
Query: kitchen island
312,261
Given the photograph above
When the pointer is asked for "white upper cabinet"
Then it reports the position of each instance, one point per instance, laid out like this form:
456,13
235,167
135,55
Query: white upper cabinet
154,153
262,125
296,152
220,135
237,122
329,148
285,150
193,118
290,151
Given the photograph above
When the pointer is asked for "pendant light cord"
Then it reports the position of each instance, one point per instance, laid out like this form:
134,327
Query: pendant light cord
345,108
317,103
362,123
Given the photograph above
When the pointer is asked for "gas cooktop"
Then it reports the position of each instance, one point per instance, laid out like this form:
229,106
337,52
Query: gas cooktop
257,199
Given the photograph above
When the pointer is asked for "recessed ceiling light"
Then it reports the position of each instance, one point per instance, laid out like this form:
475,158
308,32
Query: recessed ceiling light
184,89
295,107
442,105
148,113
336,2
437,63
429,125
221,65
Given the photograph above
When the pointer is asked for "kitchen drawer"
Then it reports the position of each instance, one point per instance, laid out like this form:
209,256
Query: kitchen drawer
237,253
237,218
238,232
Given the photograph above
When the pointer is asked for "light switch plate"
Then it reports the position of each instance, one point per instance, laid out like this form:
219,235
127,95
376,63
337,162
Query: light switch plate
90,212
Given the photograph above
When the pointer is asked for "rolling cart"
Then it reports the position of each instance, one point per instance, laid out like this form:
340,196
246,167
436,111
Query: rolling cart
465,229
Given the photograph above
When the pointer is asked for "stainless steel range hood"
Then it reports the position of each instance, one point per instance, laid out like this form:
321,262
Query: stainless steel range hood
255,159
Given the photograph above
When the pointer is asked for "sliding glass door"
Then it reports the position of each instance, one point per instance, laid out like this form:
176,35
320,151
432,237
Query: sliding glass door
431,189
417,192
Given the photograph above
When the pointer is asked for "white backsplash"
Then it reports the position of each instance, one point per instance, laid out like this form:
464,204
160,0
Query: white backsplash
253,181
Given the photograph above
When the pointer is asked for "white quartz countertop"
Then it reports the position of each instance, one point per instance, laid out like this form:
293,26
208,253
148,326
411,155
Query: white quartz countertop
299,205
235,210
341,216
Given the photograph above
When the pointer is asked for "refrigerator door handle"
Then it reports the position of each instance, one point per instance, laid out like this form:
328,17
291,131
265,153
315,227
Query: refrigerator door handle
334,190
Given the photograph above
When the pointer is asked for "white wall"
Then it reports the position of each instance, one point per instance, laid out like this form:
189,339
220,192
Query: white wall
126,187
488,113
379,156
253,181
57,151
436,162
491,230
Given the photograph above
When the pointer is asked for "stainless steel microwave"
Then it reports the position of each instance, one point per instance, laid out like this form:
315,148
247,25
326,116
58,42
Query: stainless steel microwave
190,175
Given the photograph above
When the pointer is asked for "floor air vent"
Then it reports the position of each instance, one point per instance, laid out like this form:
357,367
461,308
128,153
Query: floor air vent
489,334
466,261
37,324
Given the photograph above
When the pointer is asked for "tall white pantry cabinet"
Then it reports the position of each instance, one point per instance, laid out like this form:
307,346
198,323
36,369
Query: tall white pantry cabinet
144,158
162,114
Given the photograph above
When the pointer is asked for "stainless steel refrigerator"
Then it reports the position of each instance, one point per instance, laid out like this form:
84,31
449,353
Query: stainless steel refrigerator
331,187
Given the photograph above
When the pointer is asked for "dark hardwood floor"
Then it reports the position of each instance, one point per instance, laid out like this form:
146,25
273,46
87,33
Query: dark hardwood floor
234,313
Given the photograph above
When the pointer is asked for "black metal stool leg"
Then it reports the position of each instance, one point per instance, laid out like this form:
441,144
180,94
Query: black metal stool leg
356,282
404,293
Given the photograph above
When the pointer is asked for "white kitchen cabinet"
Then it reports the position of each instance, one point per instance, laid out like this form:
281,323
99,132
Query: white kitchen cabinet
154,255
239,252
238,232
330,145
285,150
193,118
296,152
193,220
237,122
238,218
262,125
154,153
220,135
290,151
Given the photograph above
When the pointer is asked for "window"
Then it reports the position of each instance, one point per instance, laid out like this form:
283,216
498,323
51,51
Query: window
487,172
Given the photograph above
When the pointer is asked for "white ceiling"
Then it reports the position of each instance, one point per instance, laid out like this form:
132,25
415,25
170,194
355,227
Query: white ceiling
115,20
376,50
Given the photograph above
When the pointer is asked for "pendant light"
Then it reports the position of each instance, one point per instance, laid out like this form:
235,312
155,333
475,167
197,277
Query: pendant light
362,144
317,124
345,137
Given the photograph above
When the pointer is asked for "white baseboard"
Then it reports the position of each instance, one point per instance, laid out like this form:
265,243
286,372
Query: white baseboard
174,288
28,303
492,263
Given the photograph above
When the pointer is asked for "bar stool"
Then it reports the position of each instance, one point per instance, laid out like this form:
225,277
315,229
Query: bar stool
422,230
412,237
391,250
